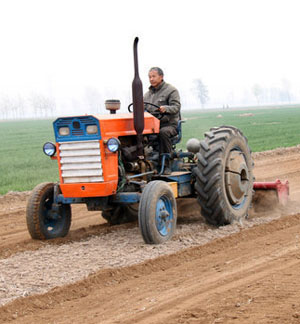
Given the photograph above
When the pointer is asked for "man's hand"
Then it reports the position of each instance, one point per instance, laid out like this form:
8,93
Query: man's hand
162,109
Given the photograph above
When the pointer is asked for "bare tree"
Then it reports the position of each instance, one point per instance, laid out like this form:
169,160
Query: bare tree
12,107
20,103
5,105
43,106
201,91
257,91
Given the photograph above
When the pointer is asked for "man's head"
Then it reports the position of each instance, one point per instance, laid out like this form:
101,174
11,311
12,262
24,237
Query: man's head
156,76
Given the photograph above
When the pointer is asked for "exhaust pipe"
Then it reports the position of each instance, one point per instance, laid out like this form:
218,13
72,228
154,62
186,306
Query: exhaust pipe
138,103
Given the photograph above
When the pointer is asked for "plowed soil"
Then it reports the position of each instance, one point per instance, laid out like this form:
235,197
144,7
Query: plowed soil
241,273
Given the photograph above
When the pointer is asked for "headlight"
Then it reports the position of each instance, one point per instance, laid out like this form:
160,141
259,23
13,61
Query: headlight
92,129
113,144
49,149
64,131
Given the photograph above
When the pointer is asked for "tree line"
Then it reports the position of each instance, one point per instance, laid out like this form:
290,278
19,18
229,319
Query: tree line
40,105
36,105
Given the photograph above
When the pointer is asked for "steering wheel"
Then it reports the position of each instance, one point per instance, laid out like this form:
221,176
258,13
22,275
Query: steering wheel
155,113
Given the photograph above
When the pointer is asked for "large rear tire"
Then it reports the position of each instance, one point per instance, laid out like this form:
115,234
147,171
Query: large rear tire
224,176
42,222
157,212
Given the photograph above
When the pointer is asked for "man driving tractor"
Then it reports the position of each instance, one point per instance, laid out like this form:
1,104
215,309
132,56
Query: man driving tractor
166,97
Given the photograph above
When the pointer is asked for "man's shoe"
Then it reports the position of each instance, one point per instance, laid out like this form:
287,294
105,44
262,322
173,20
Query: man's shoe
167,171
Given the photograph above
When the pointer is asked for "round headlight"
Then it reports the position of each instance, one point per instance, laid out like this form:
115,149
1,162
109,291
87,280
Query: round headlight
49,149
64,131
113,144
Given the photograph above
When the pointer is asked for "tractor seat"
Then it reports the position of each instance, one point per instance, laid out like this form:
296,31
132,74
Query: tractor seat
177,138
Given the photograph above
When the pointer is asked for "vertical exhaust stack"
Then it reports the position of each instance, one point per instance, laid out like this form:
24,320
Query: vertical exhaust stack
138,102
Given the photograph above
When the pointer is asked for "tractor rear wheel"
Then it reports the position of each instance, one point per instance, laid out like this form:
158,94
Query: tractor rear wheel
42,221
157,212
121,214
224,176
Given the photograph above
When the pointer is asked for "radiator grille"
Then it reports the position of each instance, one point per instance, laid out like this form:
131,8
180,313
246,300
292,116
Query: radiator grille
81,161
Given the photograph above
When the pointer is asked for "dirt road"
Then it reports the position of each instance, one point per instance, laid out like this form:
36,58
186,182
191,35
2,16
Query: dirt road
242,273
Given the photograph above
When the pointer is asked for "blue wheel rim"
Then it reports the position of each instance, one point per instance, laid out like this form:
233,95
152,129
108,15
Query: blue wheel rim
164,218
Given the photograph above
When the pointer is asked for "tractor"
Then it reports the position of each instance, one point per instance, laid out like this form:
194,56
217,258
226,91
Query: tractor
112,164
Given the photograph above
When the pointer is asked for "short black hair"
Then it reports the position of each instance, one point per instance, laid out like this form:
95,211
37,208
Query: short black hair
158,70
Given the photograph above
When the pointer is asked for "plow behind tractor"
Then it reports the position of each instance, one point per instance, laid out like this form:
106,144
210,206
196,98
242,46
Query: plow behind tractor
270,195
281,189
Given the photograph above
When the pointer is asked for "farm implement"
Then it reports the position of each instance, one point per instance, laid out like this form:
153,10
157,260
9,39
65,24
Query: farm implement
112,164
280,188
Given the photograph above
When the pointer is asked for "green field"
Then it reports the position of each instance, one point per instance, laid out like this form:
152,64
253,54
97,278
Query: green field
266,129
23,164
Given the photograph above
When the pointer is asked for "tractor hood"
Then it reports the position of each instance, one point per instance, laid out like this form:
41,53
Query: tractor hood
97,127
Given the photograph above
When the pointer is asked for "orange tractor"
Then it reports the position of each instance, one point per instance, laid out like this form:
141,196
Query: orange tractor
111,163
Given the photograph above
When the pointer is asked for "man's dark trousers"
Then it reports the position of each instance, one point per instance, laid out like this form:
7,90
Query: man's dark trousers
165,143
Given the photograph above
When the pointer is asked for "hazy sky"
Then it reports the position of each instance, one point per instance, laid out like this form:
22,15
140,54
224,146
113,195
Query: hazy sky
62,46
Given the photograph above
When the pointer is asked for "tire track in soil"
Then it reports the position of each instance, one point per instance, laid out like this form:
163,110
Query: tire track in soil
14,236
26,273
186,286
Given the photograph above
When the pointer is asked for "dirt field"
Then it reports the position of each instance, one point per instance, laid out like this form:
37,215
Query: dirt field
242,273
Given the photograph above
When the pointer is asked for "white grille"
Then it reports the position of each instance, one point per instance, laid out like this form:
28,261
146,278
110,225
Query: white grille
81,161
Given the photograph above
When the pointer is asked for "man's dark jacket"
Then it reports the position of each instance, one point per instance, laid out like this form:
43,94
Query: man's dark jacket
164,95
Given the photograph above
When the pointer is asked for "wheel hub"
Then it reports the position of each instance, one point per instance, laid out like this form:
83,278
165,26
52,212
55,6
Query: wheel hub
53,213
236,177
164,216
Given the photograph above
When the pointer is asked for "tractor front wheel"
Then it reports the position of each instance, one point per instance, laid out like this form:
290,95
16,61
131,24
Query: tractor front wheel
157,212
224,176
43,221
